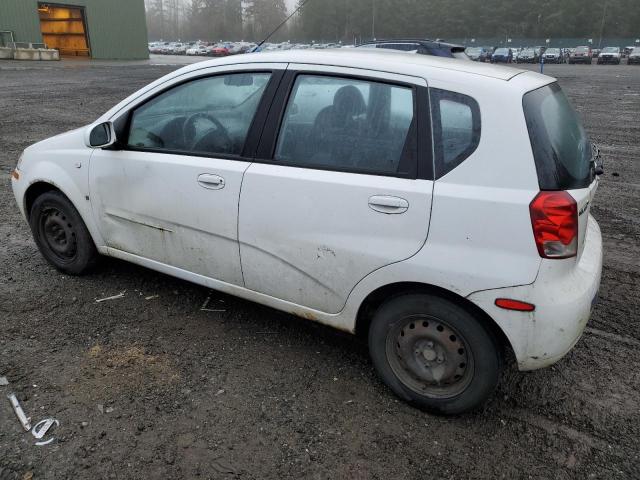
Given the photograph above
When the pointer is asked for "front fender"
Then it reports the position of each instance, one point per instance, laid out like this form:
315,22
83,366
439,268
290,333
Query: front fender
70,177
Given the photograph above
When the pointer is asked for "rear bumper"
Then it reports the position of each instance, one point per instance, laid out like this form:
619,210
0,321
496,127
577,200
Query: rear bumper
563,294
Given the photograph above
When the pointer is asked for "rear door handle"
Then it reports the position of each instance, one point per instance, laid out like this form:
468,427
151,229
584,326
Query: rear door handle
388,204
211,181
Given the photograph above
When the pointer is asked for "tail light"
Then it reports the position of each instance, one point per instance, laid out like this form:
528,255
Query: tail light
554,217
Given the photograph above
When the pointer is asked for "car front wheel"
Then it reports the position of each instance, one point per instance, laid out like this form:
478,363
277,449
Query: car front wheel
61,235
434,354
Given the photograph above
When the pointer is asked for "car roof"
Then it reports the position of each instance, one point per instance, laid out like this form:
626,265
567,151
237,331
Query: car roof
374,59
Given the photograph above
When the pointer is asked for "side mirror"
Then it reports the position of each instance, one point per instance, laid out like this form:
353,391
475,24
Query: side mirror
100,136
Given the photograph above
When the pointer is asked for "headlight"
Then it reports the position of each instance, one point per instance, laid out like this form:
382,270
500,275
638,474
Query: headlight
19,161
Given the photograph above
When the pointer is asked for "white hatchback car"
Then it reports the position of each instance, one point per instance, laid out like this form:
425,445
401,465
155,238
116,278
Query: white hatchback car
439,207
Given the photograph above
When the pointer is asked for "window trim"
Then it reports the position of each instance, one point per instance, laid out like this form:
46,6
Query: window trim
440,168
123,124
420,169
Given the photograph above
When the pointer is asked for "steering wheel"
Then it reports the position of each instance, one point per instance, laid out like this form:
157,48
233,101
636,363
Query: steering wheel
218,136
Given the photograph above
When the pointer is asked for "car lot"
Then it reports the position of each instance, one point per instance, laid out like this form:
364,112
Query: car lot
244,391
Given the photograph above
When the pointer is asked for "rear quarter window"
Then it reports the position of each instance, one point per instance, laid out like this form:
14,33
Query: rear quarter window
456,128
560,145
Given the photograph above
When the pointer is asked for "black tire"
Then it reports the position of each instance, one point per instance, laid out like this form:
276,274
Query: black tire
440,335
61,235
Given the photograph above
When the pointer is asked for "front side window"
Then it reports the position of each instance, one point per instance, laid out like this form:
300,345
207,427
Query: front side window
206,116
456,128
349,125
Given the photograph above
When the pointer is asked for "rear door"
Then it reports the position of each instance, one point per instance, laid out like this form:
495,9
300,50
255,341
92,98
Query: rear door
341,186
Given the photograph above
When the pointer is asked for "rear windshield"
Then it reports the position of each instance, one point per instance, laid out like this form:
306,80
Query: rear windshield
560,145
582,49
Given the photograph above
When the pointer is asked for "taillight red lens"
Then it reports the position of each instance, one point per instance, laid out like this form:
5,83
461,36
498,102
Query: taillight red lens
554,217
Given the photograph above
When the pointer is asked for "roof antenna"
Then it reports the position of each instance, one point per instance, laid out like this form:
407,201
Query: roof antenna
301,4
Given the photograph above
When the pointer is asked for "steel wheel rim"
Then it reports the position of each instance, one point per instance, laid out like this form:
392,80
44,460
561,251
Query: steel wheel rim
58,234
429,356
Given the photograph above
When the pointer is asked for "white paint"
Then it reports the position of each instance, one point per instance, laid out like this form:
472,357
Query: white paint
309,241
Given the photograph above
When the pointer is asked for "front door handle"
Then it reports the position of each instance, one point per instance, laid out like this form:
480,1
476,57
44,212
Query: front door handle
388,204
211,181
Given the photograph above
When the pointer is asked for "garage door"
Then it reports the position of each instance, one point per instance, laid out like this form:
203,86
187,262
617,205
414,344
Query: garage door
64,28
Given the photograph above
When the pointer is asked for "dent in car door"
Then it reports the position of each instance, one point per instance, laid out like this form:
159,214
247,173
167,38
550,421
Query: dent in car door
316,220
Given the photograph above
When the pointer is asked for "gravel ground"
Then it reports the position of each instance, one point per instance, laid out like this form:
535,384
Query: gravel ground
150,386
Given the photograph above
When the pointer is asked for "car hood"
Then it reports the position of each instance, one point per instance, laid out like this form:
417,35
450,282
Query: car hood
67,140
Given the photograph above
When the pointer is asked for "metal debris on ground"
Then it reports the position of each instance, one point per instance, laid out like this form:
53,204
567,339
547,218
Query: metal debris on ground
41,428
3,381
114,297
24,420
205,306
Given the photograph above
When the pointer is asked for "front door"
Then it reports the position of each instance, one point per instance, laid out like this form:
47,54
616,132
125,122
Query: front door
171,195
340,195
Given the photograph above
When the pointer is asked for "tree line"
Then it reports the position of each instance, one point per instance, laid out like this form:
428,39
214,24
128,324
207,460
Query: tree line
346,20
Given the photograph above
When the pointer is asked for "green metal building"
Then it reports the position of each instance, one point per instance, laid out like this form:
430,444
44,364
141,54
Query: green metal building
101,29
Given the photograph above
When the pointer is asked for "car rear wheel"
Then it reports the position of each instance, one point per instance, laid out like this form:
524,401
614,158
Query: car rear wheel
434,354
61,235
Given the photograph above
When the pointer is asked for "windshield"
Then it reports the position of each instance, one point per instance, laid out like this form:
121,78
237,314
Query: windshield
636,51
501,51
582,49
527,51
610,50
561,149
553,51
474,51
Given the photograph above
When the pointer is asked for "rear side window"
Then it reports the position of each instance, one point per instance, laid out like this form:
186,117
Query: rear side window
456,129
561,148
346,124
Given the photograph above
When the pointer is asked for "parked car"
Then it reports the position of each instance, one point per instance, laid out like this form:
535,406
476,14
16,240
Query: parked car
581,55
422,47
610,55
527,55
348,214
200,50
553,55
634,57
502,55
478,54
217,51
627,51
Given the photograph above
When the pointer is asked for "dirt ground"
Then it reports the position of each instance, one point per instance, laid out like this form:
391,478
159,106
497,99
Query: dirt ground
151,386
